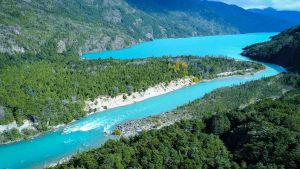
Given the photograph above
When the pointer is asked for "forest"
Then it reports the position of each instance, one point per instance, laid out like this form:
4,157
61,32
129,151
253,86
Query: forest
283,49
261,135
52,92
220,100
44,81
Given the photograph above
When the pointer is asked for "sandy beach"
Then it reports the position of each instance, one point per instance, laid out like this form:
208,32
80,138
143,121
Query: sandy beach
26,125
103,103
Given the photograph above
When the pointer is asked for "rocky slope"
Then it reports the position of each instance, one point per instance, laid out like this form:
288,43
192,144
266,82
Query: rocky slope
95,25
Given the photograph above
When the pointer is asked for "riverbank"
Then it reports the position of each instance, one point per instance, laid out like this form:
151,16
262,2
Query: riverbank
103,103
26,125
270,88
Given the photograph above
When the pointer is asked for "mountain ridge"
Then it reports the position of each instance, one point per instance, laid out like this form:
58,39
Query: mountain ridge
289,16
98,25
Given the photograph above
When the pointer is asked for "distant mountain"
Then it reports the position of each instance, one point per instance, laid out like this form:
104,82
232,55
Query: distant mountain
283,49
289,16
237,17
42,26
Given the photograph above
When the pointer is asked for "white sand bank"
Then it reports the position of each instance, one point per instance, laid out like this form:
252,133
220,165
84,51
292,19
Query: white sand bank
103,103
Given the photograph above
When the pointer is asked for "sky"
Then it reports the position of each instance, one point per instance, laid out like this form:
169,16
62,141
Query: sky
277,4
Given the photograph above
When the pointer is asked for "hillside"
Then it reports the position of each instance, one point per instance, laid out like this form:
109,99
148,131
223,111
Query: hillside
232,15
289,16
80,26
262,135
283,49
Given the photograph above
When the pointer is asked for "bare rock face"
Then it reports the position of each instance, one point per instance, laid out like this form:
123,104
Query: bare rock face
8,43
118,43
2,112
94,44
149,35
111,10
111,3
113,16
61,46
89,2
17,49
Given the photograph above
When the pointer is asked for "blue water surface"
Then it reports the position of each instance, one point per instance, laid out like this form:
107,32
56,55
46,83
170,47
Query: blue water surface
88,132
226,45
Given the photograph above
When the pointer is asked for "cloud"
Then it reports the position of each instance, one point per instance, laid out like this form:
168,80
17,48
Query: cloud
277,4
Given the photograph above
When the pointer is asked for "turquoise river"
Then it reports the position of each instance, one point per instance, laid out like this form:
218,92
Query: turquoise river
88,132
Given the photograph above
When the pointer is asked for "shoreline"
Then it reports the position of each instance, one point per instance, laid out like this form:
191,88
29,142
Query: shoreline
104,103
129,128
135,97
134,127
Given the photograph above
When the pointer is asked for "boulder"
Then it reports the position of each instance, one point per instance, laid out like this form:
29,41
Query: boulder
2,112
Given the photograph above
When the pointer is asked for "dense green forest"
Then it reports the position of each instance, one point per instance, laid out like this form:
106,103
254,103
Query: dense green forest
50,93
283,49
238,97
220,100
262,135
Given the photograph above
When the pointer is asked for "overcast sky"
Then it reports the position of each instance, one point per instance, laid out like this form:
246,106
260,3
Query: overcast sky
277,4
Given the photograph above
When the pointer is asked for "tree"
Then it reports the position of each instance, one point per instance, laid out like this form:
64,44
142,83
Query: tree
218,124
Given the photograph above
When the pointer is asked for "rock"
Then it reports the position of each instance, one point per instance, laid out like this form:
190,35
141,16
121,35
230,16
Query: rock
2,112
95,44
74,99
61,46
8,43
118,43
18,49
149,35
138,22
113,16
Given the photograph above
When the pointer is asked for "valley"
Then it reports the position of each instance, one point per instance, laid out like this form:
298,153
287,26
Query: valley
89,132
149,84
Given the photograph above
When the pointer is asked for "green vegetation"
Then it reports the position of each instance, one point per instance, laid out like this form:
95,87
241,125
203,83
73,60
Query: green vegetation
283,49
12,134
181,145
87,26
196,79
220,100
263,135
117,132
82,26
50,92
179,67
238,97
43,80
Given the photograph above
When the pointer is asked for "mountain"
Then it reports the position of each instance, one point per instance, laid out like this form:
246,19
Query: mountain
244,21
289,16
81,26
283,49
